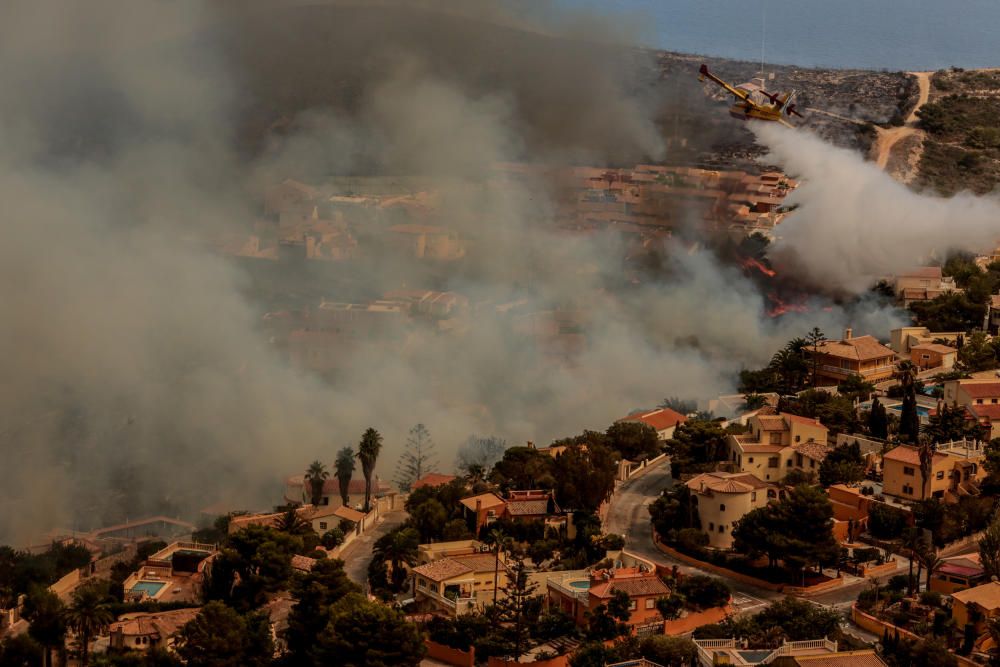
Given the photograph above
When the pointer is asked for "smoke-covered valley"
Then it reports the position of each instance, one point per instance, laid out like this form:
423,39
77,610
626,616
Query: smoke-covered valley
138,378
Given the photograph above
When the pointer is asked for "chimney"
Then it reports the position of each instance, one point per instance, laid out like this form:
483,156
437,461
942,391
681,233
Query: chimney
848,333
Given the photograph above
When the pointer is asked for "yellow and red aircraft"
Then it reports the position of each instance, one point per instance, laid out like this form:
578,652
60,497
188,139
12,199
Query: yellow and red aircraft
753,102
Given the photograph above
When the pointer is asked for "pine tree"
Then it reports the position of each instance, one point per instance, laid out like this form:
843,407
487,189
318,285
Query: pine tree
517,610
417,459
878,420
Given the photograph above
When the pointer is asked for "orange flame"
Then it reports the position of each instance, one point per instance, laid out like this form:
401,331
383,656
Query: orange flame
751,263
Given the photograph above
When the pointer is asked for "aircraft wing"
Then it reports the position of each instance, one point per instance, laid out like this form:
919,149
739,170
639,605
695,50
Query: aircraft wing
735,92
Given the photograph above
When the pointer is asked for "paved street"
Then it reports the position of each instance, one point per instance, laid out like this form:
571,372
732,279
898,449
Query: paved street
358,553
628,515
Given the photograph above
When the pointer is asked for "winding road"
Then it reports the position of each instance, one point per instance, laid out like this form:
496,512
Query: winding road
628,515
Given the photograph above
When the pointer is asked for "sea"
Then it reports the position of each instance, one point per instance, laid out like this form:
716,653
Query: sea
908,35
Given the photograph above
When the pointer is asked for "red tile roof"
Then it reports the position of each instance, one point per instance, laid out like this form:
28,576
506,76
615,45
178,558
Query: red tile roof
861,348
661,419
443,569
981,389
989,411
433,479
489,500
907,454
649,584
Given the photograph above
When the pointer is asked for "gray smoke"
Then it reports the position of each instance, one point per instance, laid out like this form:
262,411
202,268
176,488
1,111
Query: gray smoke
137,378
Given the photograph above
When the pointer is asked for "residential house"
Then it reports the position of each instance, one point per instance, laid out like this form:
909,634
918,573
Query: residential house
851,508
482,510
144,631
980,396
809,653
976,605
721,499
460,584
533,505
327,517
958,573
428,241
644,588
838,360
662,420
955,471
922,284
297,490
904,339
776,444
933,355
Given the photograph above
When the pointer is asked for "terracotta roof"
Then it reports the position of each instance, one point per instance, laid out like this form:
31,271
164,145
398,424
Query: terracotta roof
162,624
433,479
661,419
481,562
861,348
907,454
772,423
529,507
931,272
634,586
814,450
989,411
489,500
862,658
981,389
799,419
960,570
986,596
351,514
443,569
725,482
302,563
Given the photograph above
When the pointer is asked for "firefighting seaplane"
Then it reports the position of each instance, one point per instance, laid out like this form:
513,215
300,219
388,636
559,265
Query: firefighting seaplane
753,102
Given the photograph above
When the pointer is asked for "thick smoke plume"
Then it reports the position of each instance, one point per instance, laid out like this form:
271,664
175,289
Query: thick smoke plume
857,224
137,379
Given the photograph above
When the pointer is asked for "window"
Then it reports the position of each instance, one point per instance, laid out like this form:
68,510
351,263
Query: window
773,462
908,471
798,460
632,606
722,508
711,526
722,528
907,489
753,496
940,474
788,463
979,401
750,460
776,438
322,525
812,463
650,603
798,438
326,500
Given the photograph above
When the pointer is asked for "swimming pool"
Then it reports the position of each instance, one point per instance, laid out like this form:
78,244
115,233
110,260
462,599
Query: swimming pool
150,588
923,411
583,584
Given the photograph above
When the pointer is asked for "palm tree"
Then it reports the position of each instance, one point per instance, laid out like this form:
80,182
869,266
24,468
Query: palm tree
87,614
913,541
400,548
926,454
345,470
476,473
368,451
752,402
496,538
929,559
316,477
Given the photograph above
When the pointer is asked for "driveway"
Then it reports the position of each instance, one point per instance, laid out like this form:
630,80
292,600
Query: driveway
358,553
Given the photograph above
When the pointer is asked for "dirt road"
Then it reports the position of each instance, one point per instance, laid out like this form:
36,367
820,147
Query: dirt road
887,139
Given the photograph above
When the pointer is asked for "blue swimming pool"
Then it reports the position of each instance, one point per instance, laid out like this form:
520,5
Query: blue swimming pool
921,410
583,584
150,588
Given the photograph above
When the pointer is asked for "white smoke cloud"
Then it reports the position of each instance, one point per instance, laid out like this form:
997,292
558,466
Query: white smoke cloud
856,223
